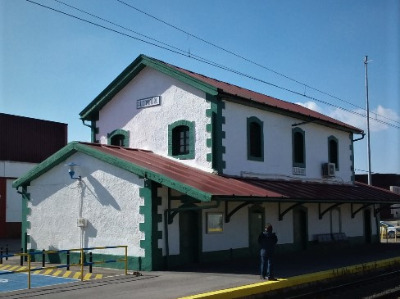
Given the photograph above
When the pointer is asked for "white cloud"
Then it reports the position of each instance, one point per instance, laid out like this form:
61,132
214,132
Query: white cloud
311,105
357,117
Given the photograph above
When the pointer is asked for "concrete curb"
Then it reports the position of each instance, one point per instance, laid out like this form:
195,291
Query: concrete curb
264,287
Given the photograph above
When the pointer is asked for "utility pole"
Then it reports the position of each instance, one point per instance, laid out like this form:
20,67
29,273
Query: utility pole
368,133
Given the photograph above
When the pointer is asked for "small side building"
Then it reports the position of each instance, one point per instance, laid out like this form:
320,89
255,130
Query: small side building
24,142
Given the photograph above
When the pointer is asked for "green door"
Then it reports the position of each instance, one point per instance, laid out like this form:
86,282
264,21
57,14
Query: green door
367,226
189,237
300,234
256,226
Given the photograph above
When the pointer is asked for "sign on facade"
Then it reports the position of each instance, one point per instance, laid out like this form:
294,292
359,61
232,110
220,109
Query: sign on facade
148,102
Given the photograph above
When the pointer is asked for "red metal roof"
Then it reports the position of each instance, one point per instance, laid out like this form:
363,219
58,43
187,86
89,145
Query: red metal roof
222,186
237,91
177,171
300,190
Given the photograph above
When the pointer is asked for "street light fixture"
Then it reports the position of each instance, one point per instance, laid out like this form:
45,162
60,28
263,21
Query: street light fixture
71,171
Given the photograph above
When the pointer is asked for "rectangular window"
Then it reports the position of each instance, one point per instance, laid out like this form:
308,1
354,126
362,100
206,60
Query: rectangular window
214,223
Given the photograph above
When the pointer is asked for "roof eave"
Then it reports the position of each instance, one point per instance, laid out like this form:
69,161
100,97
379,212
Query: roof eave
74,147
90,112
47,164
249,102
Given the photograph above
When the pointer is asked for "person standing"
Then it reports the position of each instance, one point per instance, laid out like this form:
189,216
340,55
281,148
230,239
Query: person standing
267,240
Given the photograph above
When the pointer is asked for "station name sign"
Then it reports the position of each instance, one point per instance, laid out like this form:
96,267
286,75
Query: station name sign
148,102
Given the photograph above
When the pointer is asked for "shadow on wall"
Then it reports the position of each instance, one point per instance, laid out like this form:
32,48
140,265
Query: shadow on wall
90,232
100,193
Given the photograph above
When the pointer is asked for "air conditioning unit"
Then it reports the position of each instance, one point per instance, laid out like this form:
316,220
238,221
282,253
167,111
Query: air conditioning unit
328,169
82,222
395,189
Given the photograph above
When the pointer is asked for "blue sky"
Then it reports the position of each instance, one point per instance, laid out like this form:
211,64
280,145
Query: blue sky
53,65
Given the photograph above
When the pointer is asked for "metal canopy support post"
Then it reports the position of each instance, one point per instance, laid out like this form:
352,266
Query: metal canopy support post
170,213
321,214
229,215
353,213
281,214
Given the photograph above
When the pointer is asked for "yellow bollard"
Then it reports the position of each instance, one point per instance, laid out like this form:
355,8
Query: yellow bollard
126,260
29,271
81,264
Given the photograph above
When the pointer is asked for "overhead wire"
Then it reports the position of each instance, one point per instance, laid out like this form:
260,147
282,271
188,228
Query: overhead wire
165,46
246,59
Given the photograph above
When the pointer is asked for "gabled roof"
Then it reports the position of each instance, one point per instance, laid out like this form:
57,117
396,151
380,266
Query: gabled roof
210,86
205,186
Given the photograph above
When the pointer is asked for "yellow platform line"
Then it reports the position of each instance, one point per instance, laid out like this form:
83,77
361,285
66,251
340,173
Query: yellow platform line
264,287
87,276
67,274
57,273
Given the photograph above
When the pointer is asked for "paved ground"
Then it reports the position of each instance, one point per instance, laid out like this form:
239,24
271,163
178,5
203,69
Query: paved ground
193,279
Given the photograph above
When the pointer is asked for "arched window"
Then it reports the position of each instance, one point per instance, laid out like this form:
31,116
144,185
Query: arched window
255,139
299,148
333,151
119,138
181,139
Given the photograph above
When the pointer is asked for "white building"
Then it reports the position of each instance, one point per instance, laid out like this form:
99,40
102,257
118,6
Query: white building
185,168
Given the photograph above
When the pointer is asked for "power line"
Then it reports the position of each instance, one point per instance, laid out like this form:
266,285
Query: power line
198,58
246,59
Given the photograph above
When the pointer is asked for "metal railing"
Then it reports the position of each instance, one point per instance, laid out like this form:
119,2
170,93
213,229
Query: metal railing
28,257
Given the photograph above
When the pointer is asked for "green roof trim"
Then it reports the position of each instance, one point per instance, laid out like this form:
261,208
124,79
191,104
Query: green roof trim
91,111
47,164
75,146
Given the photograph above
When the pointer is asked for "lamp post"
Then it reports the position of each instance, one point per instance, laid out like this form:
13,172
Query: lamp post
81,223
368,133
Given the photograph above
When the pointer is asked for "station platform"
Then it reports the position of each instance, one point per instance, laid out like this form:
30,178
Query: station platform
230,279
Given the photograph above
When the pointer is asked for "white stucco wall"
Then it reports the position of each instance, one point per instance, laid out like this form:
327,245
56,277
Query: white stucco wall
148,127
235,233
278,146
352,227
107,197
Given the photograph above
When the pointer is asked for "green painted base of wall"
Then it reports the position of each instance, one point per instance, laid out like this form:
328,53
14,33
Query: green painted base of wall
107,261
173,261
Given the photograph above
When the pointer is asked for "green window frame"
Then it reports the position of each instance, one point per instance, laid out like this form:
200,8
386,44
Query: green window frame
299,148
181,140
118,137
333,151
255,139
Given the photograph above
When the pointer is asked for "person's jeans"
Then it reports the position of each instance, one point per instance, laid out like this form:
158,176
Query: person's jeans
267,265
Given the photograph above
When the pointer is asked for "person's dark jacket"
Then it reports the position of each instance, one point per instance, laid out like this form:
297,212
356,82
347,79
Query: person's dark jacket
267,241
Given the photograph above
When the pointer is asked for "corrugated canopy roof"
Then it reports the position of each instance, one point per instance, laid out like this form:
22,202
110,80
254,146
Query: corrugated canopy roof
206,186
